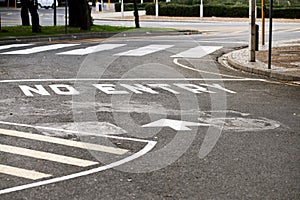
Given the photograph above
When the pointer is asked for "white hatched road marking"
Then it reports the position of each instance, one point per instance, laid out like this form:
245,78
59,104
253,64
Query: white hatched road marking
65,142
23,173
144,50
197,52
93,49
148,147
13,46
46,156
40,49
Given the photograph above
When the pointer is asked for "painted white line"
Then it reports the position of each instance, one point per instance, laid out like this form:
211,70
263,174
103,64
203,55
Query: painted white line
13,46
150,145
74,132
39,49
221,42
233,78
206,72
197,52
93,49
23,173
71,143
144,50
46,156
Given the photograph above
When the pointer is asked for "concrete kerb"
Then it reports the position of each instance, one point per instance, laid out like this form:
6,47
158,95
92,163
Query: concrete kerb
239,60
79,36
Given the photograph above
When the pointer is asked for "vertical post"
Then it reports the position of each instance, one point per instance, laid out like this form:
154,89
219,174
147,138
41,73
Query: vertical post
156,8
54,12
252,31
270,35
108,5
122,8
263,22
15,3
66,17
201,9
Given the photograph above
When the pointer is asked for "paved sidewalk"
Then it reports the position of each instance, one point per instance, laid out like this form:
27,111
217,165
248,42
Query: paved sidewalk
285,61
128,16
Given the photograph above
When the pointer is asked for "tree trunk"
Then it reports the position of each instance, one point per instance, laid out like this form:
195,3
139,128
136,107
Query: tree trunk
136,14
80,14
30,5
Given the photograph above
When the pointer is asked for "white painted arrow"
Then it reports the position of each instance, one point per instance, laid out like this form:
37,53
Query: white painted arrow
177,125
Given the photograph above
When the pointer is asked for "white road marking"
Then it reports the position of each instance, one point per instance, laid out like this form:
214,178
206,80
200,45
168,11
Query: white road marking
197,52
39,49
54,140
93,49
206,72
149,146
23,173
13,45
46,156
177,125
233,78
144,50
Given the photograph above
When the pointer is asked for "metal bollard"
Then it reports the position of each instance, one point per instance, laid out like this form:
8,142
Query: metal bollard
256,37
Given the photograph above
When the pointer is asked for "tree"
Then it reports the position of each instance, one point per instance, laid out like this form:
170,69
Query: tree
80,14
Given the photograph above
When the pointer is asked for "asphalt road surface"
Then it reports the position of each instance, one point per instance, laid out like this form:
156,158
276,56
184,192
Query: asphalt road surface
143,118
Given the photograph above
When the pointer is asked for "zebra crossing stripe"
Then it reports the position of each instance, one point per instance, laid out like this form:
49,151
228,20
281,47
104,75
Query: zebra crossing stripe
23,173
54,140
13,45
144,50
197,52
46,156
39,49
93,49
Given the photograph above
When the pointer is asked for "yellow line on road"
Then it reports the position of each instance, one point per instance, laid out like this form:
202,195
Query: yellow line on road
46,156
82,145
24,173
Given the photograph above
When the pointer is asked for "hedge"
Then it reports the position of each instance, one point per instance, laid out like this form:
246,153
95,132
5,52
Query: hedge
217,11
129,6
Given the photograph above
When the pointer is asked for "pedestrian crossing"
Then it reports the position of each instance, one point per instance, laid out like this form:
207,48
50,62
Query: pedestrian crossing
133,51
19,171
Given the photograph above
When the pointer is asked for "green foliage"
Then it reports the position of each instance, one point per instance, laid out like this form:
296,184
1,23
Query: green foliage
129,6
171,9
20,31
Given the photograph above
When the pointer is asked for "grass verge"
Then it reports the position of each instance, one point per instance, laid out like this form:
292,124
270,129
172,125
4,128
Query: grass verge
25,31
20,31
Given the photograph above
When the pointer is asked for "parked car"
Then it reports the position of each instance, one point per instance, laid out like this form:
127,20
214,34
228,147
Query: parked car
46,4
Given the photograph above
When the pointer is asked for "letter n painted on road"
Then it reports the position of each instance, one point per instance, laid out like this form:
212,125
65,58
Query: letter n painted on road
39,89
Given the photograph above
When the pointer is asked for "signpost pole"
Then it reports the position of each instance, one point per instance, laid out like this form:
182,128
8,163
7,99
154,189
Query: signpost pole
263,22
54,13
66,17
270,35
252,35
201,9
156,8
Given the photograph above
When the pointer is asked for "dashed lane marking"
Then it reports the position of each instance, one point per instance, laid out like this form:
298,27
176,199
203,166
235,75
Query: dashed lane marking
93,49
142,51
197,52
13,46
40,49
65,142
